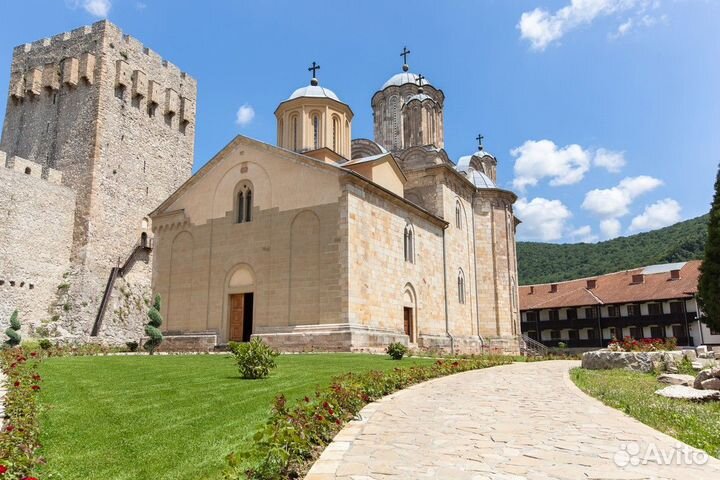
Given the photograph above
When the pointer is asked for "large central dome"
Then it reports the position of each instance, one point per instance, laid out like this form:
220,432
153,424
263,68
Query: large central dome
313,91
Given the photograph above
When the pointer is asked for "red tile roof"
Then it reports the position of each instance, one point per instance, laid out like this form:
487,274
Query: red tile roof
613,288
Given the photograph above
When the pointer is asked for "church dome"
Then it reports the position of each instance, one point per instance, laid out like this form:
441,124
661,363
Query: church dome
315,91
479,179
402,78
420,97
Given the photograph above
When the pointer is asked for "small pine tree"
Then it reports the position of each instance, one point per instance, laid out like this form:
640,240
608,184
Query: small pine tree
709,283
152,329
13,331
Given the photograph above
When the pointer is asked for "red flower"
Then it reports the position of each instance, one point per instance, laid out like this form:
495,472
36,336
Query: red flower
3,469
36,377
29,478
33,354
338,421
319,418
36,387
326,405
9,428
307,400
13,365
331,411
17,383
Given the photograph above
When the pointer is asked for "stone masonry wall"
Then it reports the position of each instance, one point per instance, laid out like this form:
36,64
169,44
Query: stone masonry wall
36,226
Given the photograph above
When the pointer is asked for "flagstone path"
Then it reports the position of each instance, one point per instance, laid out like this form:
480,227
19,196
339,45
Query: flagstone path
525,421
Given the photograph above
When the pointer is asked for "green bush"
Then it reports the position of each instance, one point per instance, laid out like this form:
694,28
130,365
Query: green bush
255,359
152,329
45,344
396,350
13,331
295,435
132,346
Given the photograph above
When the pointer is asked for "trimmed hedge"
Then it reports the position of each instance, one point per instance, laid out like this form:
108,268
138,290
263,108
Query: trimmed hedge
295,435
20,438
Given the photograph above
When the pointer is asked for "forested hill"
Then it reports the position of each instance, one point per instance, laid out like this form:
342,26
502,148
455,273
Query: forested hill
550,262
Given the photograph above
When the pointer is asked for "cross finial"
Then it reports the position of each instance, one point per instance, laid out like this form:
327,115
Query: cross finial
419,81
404,54
480,138
312,69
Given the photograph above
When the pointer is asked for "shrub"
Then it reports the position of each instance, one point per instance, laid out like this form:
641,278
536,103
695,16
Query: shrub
152,329
629,344
45,344
295,435
132,346
13,331
255,359
20,438
396,350
562,345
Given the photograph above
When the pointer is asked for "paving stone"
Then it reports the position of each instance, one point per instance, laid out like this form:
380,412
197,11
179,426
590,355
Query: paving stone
525,421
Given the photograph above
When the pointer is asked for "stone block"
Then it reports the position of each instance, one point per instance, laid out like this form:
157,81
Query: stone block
87,67
51,76
33,81
154,92
140,86
123,74
711,384
26,167
70,71
690,354
17,85
54,176
172,102
3,159
688,393
187,113
675,379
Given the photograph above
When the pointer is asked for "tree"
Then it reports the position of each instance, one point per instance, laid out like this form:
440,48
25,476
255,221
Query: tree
709,283
152,329
13,331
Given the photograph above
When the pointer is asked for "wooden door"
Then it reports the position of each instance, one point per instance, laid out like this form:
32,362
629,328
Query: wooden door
237,317
408,322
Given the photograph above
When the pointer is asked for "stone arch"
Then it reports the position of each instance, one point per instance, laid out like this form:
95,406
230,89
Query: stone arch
304,278
240,280
224,196
243,196
179,303
410,313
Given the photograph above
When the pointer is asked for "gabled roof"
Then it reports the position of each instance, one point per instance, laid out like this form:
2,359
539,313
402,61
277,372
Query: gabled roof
615,288
382,157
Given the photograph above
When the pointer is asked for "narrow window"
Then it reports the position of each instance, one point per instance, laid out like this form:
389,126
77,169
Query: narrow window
281,133
458,214
461,287
335,134
316,132
248,206
295,133
409,245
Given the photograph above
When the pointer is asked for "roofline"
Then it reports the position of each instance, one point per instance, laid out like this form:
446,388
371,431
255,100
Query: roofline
472,185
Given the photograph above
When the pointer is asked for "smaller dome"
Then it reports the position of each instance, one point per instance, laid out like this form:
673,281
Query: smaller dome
420,97
313,91
403,78
479,179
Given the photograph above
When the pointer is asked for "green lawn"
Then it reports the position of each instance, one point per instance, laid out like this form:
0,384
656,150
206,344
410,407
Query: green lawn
167,417
697,424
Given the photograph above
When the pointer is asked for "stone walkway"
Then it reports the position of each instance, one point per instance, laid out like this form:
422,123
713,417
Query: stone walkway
525,421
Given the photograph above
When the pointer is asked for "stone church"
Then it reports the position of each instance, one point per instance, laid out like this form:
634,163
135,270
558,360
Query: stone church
320,242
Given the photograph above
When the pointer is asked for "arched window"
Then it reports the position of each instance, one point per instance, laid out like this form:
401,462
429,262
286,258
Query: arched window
335,133
461,286
281,133
294,122
409,244
458,214
316,131
244,204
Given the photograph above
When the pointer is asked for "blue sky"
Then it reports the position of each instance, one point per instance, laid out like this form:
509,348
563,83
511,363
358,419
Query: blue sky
604,114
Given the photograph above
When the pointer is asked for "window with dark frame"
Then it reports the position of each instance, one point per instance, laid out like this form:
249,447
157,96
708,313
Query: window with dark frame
633,310
244,205
571,313
555,334
554,315
613,311
590,312
655,308
676,307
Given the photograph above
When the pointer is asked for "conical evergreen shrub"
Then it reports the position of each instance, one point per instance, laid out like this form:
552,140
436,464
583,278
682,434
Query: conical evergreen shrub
152,329
13,331
709,283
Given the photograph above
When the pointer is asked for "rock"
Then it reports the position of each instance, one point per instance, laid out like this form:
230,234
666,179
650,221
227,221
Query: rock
701,377
675,379
671,367
711,384
636,361
688,393
689,354
701,351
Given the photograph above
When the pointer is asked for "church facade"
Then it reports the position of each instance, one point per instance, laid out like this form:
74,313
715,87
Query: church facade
324,242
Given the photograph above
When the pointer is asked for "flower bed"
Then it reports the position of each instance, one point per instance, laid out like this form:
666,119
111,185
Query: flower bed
295,435
19,438
629,344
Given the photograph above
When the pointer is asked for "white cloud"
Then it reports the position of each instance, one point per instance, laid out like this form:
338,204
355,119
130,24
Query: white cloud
245,115
623,29
610,227
609,160
542,219
564,166
98,8
583,234
615,202
540,159
541,27
660,214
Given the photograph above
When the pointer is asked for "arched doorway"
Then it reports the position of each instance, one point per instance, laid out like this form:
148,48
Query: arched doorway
410,313
240,295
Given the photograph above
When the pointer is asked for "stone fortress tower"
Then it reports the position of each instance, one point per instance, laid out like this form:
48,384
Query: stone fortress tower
98,131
